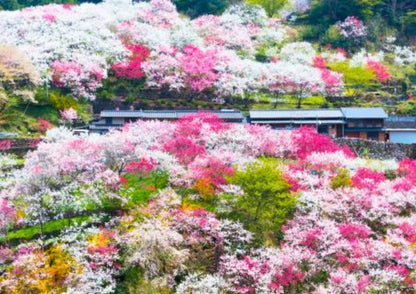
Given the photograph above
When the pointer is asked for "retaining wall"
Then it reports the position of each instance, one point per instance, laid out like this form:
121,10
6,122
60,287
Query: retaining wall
379,150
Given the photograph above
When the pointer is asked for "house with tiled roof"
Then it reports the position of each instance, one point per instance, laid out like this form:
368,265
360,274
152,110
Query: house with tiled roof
110,119
363,123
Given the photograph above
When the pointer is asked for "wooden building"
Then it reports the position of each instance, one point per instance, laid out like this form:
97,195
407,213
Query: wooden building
353,122
366,123
328,121
110,119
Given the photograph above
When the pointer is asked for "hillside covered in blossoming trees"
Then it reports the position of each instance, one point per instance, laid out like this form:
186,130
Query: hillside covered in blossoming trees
202,206
149,55
198,205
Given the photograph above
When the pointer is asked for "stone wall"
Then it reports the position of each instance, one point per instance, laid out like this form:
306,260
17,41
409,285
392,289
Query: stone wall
19,146
377,150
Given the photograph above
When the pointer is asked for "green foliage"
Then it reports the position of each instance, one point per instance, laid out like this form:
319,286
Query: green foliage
332,36
407,108
314,102
115,87
330,11
62,101
341,180
9,4
18,4
355,77
140,187
310,32
55,98
272,7
267,201
261,55
409,22
390,174
48,228
383,17
132,281
23,119
195,8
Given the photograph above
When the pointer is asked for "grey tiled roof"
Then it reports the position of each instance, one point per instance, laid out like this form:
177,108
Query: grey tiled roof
168,114
400,122
364,112
121,113
311,122
296,113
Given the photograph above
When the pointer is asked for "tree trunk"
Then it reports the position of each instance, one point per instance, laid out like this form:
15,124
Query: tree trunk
299,104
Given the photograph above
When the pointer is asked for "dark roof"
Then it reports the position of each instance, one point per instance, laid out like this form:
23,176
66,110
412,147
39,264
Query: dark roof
364,112
296,114
400,122
305,122
169,114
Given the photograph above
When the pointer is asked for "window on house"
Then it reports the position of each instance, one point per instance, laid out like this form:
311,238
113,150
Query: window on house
372,136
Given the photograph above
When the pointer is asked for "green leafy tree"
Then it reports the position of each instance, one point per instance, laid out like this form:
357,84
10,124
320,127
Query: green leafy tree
330,11
394,10
267,201
9,4
408,22
271,6
355,78
195,8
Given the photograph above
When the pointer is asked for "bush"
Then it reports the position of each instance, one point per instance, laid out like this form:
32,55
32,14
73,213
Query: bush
138,188
311,32
61,102
195,8
355,77
266,203
341,180
332,36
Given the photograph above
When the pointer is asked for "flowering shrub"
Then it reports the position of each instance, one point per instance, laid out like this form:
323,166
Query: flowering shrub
380,70
68,115
39,272
199,67
43,124
6,144
352,29
142,166
133,68
83,79
309,141
367,178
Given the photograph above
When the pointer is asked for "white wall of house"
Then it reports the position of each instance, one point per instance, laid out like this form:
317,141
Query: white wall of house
403,137
118,121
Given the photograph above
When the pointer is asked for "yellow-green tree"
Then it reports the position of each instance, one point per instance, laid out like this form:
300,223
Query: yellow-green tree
271,6
267,201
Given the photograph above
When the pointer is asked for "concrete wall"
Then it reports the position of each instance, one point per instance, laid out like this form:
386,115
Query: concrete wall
118,121
403,137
